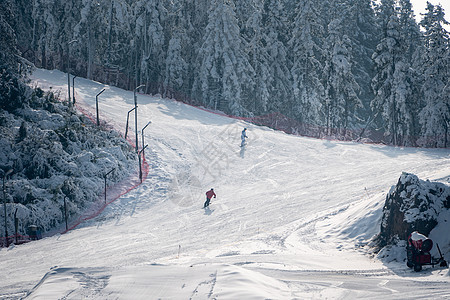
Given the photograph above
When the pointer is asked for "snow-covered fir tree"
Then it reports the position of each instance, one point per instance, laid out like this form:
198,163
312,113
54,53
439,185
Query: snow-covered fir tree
410,29
45,34
259,58
341,88
435,115
176,66
244,11
225,76
117,58
150,43
275,27
384,9
21,11
362,30
179,52
392,83
10,84
250,57
306,46
86,33
408,73
8,42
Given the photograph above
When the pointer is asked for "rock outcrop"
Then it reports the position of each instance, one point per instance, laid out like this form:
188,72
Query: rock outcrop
412,205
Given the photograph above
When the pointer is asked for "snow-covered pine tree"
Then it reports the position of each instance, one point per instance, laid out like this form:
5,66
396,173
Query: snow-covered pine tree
275,28
341,88
117,59
410,93
384,9
21,10
196,12
150,17
176,66
410,29
53,25
179,51
384,58
362,31
225,76
306,48
392,81
8,42
244,11
91,34
259,57
435,115
10,96
67,16
45,34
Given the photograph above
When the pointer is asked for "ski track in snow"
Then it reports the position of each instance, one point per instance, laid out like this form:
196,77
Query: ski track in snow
291,220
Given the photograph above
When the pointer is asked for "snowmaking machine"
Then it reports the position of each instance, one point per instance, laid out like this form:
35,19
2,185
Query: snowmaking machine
418,252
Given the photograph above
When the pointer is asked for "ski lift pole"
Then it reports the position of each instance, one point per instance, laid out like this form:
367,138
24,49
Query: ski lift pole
142,131
140,164
105,181
96,106
73,89
65,212
16,226
4,204
128,117
68,69
135,116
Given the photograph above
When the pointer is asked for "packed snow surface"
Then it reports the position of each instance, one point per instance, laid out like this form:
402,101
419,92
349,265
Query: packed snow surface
291,220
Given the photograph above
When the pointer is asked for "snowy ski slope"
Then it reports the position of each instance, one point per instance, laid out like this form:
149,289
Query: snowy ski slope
291,219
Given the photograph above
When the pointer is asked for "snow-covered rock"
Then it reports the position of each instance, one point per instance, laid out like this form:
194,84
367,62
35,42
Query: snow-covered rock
412,205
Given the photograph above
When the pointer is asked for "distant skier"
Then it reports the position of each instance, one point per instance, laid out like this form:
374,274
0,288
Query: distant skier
209,195
243,137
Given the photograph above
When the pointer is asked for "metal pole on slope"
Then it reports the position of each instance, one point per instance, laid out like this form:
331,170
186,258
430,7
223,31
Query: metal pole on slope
65,212
73,89
128,117
68,69
105,181
4,204
96,106
140,166
135,116
16,227
142,131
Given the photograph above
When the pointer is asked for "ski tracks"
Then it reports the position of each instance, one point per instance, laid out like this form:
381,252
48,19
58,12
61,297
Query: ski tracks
205,288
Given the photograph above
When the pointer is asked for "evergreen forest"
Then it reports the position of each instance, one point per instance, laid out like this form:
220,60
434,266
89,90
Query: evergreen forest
344,69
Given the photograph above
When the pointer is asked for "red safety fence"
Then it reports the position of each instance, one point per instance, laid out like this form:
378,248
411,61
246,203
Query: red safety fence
114,192
18,239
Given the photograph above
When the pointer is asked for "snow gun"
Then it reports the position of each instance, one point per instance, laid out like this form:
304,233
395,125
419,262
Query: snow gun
418,252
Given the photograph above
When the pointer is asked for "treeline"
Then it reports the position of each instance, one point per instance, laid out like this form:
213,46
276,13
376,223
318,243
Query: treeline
53,161
340,68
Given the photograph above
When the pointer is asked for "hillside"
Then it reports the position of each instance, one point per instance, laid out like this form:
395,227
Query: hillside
292,219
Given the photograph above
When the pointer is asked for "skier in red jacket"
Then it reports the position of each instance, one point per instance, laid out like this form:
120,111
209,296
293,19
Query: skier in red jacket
209,195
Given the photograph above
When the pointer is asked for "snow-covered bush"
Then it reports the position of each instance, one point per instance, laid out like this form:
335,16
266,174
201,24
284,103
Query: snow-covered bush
10,90
56,154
